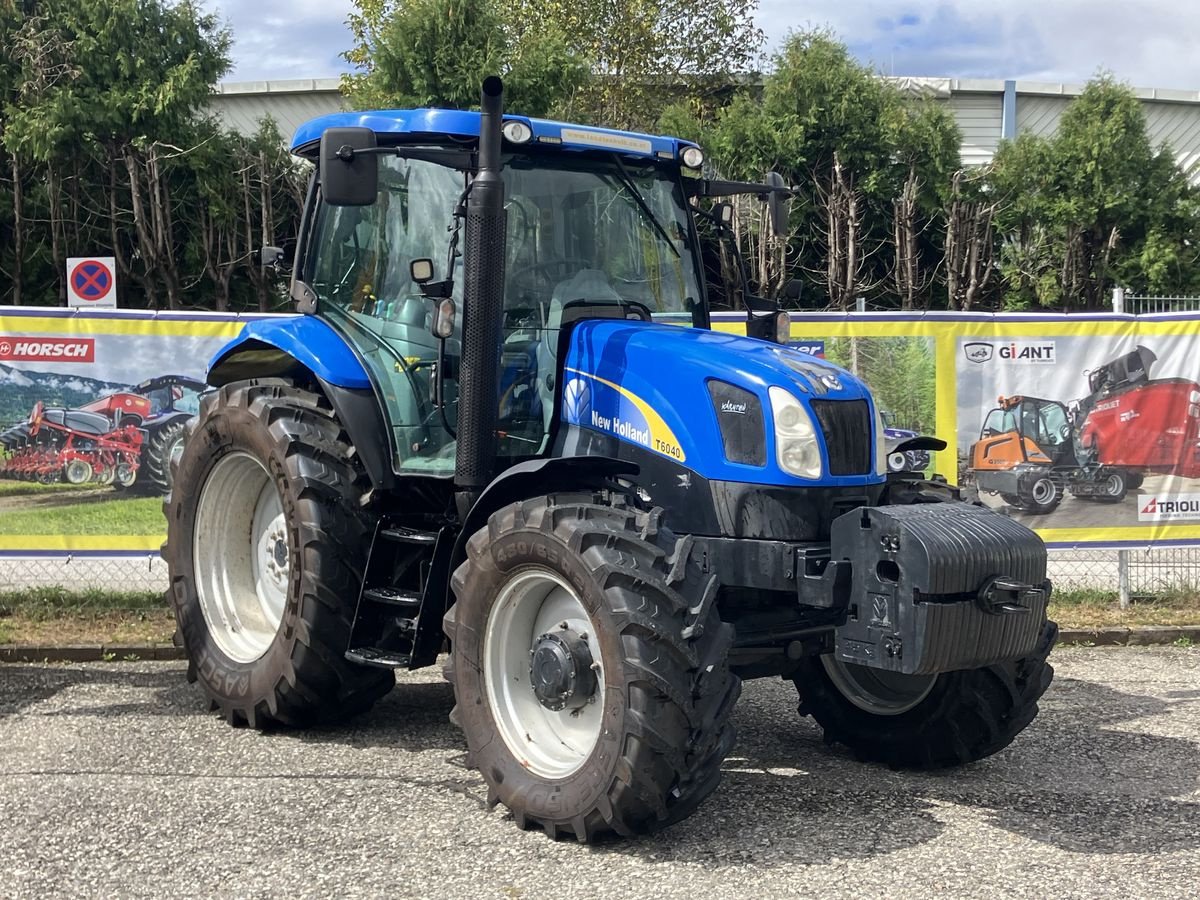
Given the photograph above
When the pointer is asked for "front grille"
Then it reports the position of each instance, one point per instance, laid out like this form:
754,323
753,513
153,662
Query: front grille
846,426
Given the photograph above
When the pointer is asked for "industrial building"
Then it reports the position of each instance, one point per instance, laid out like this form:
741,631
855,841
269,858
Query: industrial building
987,110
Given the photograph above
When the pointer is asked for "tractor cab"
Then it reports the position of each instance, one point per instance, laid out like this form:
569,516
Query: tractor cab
598,226
1026,429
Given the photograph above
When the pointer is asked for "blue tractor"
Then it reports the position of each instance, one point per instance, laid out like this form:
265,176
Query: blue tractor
504,431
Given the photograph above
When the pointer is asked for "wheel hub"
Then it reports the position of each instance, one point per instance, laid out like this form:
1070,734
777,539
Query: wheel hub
562,671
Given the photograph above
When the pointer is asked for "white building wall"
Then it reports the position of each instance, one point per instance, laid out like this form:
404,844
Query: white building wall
1172,117
242,105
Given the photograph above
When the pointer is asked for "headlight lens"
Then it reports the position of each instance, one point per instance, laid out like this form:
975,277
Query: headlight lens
796,447
881,457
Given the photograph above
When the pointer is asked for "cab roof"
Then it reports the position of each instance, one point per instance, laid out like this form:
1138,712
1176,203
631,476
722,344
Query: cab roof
458,123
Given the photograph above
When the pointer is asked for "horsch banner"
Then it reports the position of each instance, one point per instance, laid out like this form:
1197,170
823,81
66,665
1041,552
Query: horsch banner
93,406
1086,428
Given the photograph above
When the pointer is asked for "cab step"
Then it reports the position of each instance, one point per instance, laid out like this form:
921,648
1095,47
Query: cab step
402,535
373,656
390,596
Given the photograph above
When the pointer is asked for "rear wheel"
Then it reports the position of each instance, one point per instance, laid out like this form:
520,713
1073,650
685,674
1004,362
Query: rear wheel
1114,486
158,453
589,667
925,721
266,543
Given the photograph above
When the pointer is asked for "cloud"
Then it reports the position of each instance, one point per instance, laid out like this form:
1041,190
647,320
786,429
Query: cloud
277,39
1145,42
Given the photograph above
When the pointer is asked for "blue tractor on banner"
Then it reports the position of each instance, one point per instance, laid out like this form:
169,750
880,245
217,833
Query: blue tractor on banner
503,430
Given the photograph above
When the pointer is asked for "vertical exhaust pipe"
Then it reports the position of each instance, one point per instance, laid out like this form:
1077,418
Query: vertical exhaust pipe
483,307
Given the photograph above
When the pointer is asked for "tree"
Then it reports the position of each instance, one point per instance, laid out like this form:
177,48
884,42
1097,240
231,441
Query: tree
108,150
872,168
436,53
610,62
125,73
646,52
1093,205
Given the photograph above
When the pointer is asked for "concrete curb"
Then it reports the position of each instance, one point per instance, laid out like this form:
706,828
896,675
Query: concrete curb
1138,636
88,652
1141,636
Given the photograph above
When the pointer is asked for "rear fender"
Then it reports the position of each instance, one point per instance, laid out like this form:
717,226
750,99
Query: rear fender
304,348
273,348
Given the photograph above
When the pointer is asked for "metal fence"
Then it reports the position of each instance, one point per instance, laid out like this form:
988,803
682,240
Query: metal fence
1151,573
1148,304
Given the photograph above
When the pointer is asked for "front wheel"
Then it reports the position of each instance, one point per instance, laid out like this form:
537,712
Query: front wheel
589,667
1043,496
925,721
266,543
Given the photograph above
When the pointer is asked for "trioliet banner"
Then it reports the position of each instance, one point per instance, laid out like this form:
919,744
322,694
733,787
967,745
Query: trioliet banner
1085,428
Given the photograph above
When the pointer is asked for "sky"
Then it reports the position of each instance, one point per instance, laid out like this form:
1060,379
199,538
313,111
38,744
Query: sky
1148,43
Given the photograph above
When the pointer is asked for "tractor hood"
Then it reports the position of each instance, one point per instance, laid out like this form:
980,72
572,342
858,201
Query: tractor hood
702,399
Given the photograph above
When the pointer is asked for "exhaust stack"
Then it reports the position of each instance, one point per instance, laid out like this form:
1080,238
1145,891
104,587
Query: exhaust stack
483,307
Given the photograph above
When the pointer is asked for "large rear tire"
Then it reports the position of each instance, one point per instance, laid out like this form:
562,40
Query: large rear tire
160,451
590,667
266,543
925,722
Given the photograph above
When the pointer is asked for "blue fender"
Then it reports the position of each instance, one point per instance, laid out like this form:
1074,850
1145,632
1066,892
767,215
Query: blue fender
270,347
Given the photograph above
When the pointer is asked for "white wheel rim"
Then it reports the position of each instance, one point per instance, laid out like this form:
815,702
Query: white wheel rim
877,691
551,744
1115,483
241,556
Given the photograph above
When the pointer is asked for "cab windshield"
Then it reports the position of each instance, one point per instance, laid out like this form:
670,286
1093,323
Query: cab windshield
604,233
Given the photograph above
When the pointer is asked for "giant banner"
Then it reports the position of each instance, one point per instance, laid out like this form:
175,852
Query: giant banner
1086,428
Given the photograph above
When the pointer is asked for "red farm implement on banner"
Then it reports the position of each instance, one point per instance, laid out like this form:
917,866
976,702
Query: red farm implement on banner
1131,420
77,446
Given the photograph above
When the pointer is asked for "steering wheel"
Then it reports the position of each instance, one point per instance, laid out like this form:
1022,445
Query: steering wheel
530,276
1064,431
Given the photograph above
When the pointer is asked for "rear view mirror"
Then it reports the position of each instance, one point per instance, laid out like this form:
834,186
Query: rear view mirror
349,170
273,260
777,204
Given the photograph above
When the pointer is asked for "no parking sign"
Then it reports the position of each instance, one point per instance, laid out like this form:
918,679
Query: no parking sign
92,282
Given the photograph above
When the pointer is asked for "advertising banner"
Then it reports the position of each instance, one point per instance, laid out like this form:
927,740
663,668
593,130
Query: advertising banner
92,408
1084,427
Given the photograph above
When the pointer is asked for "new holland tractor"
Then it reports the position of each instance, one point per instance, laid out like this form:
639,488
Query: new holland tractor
503,428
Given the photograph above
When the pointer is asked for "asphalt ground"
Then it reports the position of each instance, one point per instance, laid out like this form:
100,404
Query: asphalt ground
115,782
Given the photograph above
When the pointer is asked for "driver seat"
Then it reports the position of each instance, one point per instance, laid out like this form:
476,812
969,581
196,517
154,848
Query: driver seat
604,302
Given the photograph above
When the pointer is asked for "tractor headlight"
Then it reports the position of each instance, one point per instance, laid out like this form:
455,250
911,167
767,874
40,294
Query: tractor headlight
796,446
881,456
